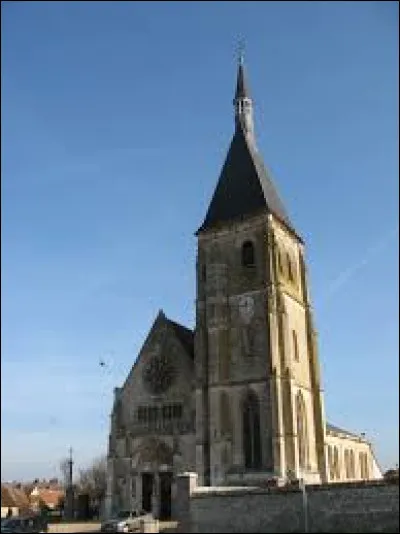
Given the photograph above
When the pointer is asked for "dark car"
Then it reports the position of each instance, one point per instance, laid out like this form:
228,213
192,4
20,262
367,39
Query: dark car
22,524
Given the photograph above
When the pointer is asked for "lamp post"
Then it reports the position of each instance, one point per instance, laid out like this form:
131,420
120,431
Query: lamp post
70,492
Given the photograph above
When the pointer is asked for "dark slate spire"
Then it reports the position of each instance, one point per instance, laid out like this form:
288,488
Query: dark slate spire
245,187
242,88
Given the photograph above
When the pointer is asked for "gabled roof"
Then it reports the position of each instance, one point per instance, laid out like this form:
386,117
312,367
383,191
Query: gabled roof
50,497
13,497
6,498
185,336
244,187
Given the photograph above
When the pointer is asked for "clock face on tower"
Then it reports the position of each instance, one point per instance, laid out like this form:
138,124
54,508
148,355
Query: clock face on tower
159,373
246,308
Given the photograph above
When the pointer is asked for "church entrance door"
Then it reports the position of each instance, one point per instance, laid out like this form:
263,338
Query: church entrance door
165,495
147,491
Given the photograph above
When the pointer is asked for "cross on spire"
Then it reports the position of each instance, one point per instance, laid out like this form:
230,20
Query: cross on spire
240,51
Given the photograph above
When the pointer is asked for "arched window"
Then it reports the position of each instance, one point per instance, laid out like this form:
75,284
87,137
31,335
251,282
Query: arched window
302,437
279,261
330,463
336,462
142,414
295,346
223,357
363,473
225,416
251,431
290,268
352,465
347,463
177,411
333,462
248,256
153,414
363,459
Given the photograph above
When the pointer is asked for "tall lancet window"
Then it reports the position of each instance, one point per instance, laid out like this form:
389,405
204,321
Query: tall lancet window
248,256
302,437
225,415
251,431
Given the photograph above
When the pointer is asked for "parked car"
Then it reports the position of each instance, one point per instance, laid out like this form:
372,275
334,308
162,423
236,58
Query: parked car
22,524
125,521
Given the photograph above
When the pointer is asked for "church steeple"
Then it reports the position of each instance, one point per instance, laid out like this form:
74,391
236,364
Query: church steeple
243,103
245,186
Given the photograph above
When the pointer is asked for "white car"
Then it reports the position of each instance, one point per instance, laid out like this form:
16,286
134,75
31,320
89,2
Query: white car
125,521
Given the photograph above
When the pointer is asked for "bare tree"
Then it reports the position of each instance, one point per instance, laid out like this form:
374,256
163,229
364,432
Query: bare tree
93,479
64,468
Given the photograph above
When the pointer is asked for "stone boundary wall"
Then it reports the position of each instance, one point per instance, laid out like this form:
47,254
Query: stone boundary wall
89,526
371,506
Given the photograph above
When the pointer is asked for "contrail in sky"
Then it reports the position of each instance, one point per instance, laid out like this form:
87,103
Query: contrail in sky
347,274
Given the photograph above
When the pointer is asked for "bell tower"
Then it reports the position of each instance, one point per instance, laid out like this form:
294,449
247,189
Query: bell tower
259,404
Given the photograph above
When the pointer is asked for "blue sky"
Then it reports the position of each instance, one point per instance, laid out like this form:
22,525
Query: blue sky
116,118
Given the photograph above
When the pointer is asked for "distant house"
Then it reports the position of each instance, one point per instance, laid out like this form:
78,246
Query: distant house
45,497
14,501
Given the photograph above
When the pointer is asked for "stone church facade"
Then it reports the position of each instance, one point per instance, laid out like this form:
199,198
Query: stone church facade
239,400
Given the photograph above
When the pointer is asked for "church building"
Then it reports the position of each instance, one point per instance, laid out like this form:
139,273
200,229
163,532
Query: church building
239,399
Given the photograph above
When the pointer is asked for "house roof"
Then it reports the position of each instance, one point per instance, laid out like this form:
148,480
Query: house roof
50,497
13,497
245,187
6,498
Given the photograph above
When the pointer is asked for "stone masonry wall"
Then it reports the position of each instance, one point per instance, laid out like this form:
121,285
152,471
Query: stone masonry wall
350,507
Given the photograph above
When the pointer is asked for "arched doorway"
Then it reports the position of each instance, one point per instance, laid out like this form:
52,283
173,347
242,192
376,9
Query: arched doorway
165,494
251,431
154,462
147,491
